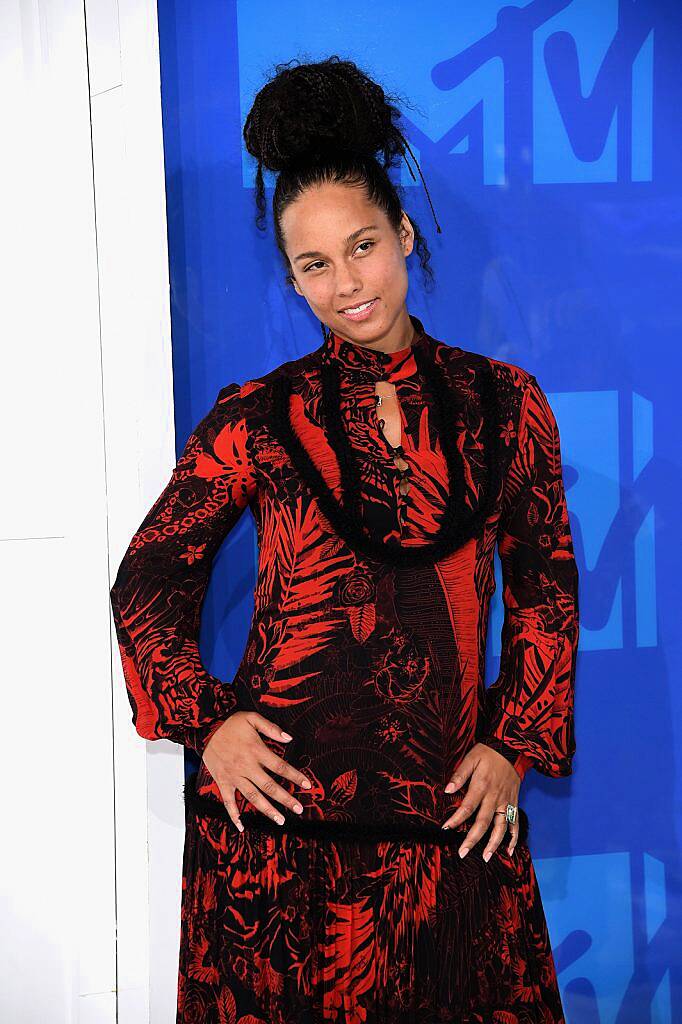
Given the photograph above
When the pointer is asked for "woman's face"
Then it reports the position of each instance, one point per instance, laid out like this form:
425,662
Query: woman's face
343,251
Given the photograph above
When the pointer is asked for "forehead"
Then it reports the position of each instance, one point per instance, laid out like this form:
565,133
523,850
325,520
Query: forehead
324,216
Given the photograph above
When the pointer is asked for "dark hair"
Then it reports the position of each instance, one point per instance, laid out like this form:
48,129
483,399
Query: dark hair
325,122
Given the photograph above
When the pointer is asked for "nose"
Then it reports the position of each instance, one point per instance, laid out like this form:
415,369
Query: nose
348,285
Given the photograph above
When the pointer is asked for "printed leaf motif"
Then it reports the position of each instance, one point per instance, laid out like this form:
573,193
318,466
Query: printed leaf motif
362,618
344,786
197,967
227,1007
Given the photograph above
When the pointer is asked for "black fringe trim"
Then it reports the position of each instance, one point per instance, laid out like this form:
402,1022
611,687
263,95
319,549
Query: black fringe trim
337,831
458,525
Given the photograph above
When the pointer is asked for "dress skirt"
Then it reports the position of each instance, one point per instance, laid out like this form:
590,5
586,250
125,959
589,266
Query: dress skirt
284,928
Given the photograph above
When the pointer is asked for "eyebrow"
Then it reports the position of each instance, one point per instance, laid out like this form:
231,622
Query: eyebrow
351,238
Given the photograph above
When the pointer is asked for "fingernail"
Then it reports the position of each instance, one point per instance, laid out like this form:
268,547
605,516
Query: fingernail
286,736
306,783
487,856
446,826
240,826
449,788
279,819
298,808
463,851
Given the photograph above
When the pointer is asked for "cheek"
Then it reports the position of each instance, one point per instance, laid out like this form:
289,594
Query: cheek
393,282
316,292
321,298
392,270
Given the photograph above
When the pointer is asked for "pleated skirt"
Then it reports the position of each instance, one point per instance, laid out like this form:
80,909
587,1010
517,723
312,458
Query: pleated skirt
283,928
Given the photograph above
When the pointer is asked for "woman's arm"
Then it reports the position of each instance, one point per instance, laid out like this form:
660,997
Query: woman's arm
529,708
161,582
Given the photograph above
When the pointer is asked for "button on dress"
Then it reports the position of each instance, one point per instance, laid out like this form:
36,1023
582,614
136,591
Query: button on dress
360,910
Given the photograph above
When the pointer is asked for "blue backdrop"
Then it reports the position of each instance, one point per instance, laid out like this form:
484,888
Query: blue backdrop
547,132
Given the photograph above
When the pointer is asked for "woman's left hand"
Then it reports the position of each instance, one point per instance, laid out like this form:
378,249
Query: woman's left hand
494,783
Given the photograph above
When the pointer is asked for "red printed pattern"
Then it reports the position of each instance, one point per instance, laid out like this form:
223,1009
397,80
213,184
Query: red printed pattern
377,672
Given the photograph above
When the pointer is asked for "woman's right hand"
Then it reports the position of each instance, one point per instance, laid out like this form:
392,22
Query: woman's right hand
237,757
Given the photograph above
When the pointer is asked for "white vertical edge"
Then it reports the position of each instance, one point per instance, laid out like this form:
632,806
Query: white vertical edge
57,864
140,451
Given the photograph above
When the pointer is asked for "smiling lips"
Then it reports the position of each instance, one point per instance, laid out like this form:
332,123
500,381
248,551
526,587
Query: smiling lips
359,312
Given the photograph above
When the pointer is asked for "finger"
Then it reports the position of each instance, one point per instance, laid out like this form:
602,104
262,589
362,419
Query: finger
514,830
268,728
496,836
232,808
274,791
473,797
479,827
254,796
278,765
459,777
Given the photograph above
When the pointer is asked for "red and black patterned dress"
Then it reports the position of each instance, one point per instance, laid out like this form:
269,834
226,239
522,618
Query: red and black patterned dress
360,910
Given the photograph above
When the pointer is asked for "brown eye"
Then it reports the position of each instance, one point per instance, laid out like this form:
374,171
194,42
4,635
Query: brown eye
311,266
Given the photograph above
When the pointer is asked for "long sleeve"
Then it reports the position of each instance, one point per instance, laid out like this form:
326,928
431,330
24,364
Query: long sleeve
159,589
529,708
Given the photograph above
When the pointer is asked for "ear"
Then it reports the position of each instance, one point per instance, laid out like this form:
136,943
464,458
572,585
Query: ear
295,284
406,235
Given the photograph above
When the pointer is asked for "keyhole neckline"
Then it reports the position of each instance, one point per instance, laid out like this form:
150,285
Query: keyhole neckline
358,360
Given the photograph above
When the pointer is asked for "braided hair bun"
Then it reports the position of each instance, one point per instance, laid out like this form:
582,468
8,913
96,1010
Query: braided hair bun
327,122
311,111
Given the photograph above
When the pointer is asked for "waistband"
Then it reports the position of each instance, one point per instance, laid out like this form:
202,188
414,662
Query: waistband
335,831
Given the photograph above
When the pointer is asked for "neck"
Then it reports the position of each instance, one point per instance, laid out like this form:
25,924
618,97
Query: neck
366,359
400,337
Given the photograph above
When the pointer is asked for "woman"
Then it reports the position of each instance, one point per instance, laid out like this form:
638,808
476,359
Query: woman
354,848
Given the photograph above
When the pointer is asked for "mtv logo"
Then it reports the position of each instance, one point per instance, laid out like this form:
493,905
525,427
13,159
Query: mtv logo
542,91
546,91
607,451
588,899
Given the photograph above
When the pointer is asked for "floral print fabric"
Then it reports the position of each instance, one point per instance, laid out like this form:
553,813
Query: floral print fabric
376,670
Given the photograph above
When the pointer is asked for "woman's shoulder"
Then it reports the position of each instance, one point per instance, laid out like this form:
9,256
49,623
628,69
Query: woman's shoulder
515,391
299,366
505,373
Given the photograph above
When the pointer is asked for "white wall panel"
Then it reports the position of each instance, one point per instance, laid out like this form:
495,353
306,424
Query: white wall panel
58,953
90,866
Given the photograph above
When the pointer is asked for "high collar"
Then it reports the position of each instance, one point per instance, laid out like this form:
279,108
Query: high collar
359,361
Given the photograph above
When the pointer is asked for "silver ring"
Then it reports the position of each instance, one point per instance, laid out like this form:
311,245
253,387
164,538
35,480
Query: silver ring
511,813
